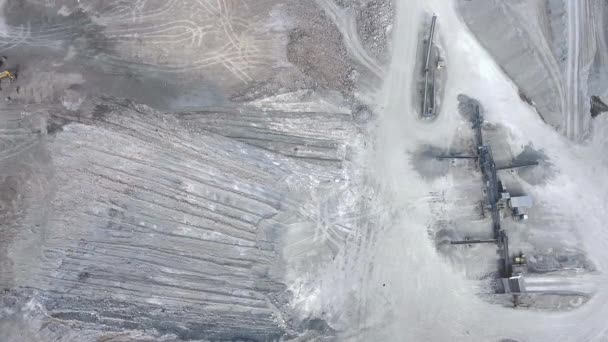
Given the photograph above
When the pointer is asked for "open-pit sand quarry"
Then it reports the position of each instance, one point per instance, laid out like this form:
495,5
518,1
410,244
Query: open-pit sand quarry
231,170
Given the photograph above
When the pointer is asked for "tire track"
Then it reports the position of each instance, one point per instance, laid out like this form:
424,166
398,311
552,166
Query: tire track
581,41
242,53
572,68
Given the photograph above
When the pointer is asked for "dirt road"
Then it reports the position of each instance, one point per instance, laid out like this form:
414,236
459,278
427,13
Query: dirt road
572,88
579,20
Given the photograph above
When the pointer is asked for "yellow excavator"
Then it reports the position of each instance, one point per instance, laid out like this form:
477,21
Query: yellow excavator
5,74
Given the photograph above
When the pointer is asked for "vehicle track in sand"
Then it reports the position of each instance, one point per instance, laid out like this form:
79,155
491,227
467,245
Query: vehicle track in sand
583,44
572,69
229,40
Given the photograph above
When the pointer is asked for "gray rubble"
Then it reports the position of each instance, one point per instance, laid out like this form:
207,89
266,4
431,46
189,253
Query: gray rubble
374,21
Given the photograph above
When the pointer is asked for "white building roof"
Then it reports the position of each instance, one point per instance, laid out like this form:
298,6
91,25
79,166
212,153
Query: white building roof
521,202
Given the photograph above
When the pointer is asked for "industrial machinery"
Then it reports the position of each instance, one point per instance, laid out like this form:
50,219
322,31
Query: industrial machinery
7,74
511,269
519,259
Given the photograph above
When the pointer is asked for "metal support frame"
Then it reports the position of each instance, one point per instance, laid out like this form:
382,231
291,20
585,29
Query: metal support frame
517,166
455,157
471,242
429,110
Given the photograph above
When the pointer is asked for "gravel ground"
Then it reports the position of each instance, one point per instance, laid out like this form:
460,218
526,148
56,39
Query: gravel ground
375,22
221,171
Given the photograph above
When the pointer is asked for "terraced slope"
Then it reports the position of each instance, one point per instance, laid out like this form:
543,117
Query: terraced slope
313,137
149,223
